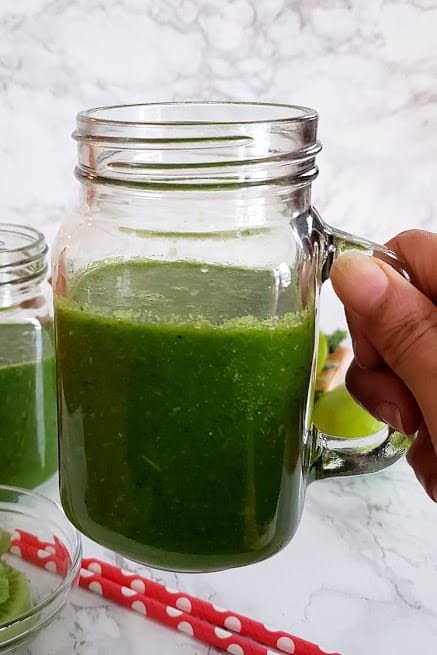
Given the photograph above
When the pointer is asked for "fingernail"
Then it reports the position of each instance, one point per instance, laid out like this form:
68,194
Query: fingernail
358,280
390,414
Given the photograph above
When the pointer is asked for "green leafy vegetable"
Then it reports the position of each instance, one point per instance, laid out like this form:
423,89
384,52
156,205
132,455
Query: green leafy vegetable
335,339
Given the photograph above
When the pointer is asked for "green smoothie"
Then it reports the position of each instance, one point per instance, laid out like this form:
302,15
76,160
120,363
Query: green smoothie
28,432
182,404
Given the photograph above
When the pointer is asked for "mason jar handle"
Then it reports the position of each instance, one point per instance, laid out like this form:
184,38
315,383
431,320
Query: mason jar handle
331,455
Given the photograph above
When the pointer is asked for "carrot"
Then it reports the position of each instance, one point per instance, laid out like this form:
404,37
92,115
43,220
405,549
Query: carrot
335,365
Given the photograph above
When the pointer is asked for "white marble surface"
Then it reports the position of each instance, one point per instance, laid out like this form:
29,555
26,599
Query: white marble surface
360,578
361,575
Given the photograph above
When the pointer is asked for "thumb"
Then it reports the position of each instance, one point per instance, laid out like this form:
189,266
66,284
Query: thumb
397,319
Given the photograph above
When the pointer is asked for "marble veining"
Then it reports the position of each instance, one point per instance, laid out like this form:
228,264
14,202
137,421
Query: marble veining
368,67
360,577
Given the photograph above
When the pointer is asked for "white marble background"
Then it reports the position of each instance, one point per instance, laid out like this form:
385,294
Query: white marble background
361,575
368,66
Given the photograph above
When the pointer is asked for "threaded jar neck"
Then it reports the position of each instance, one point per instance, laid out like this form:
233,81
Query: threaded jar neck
197,144
23,253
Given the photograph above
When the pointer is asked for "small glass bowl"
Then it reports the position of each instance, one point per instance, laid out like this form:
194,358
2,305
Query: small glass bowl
22,510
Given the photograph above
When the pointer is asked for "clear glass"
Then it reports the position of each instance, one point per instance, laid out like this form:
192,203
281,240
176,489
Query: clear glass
28,515
186,305
28,436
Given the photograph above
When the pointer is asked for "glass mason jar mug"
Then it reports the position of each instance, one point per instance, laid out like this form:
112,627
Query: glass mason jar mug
28,434
186,298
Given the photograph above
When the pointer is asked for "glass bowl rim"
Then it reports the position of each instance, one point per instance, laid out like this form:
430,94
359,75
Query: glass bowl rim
66,581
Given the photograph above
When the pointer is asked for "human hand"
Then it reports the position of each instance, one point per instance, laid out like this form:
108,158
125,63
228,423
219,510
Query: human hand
393,325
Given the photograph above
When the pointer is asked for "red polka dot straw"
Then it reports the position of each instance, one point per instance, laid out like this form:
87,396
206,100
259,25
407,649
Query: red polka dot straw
229,631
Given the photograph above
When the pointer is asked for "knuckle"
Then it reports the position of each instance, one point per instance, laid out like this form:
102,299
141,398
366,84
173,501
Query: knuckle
406,337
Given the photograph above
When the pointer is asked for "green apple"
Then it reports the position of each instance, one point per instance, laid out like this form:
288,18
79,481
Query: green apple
322,352
336,413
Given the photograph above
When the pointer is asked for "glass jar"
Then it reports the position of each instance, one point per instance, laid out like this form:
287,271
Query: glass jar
28,434
186,305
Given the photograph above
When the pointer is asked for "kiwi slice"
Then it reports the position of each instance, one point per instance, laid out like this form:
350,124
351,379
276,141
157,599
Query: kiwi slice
15,596
19,599
5,541
4,585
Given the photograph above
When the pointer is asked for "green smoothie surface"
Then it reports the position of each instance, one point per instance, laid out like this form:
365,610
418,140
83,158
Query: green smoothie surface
183,393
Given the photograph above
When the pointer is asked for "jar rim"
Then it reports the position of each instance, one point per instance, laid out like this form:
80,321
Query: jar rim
30,235
291,113
193,143
23,256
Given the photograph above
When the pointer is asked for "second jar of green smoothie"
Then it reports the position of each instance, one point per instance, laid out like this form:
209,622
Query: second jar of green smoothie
28,432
